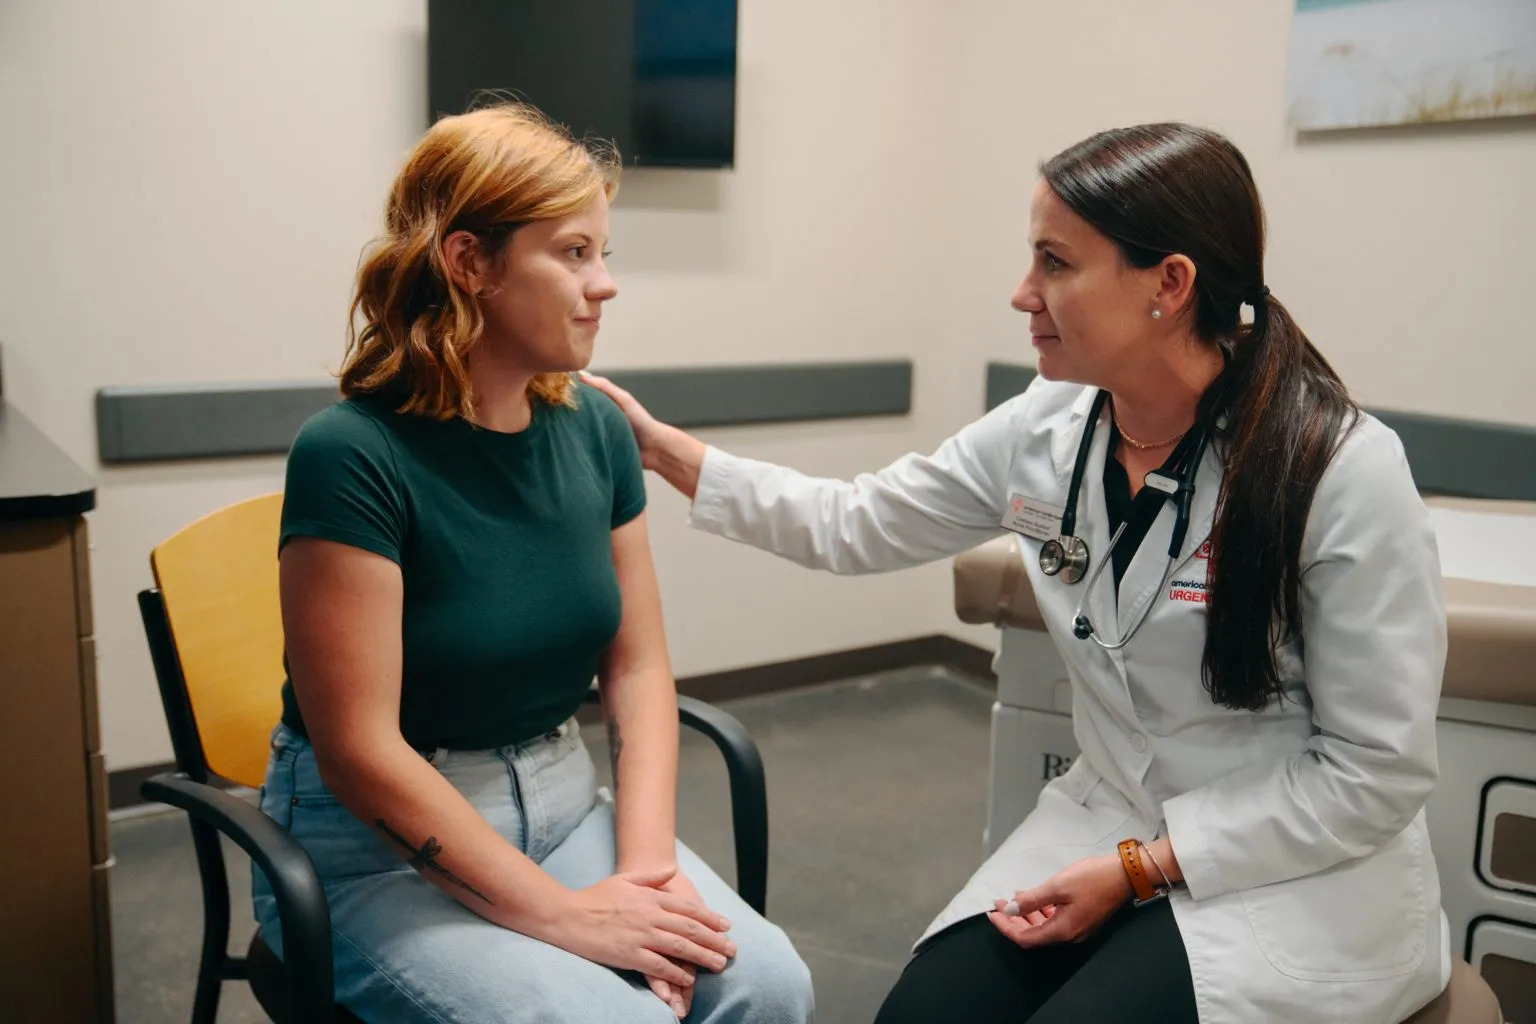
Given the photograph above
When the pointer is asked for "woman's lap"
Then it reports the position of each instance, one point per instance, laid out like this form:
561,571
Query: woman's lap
766,971
405,952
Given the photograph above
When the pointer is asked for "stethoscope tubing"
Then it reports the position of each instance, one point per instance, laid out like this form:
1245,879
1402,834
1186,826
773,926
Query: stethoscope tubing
1068,544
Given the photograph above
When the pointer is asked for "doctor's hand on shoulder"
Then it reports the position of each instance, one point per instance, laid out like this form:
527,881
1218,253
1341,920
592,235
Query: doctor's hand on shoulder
674,454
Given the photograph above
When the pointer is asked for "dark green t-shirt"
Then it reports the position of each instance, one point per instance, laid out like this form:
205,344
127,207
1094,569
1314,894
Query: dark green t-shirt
503,543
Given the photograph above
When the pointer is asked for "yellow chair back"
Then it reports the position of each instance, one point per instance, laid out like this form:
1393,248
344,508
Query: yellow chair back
218,579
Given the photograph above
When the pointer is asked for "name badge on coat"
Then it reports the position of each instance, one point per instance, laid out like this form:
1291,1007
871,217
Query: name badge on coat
1032,517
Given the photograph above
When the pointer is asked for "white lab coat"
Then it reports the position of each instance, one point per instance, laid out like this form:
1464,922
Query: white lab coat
1312,893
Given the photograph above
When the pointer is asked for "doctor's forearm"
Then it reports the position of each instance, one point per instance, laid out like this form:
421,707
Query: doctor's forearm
677,457
1273,821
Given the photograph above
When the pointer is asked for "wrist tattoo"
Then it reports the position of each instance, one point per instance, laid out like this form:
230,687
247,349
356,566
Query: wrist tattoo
615,745
425,858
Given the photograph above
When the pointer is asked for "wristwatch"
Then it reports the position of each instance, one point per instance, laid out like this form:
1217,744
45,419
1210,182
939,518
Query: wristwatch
1145,889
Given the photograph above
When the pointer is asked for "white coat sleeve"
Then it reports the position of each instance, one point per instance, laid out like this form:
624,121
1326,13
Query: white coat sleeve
918,509
1373,647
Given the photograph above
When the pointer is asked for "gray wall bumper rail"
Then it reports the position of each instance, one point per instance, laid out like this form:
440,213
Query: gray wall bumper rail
144,424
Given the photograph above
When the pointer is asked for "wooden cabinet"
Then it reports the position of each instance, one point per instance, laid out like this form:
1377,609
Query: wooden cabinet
55,856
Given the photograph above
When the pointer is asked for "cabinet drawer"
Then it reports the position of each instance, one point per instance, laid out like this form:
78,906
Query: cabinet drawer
80,542
101,838
101,895
89,705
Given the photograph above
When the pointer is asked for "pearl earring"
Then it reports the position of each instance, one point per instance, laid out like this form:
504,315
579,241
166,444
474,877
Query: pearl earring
1157,314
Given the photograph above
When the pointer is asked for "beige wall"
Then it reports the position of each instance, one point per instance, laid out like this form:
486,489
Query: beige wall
186,187
1406,254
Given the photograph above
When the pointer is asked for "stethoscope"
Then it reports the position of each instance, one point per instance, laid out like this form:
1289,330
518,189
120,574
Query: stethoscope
1068,556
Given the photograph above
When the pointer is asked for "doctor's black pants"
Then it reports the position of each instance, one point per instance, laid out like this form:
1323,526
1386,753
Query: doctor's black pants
1134,968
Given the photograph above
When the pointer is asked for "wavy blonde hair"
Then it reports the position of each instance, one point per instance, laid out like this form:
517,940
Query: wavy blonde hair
410,327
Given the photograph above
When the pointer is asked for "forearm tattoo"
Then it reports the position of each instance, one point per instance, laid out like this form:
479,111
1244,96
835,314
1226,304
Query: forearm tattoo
615,744
425,858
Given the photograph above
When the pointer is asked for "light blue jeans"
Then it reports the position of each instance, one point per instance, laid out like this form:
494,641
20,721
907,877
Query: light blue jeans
405,952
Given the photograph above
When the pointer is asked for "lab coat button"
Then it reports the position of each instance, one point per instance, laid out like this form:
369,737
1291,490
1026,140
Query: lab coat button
1138,742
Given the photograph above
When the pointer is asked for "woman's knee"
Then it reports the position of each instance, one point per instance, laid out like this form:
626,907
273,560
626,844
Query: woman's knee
522,986
970,971
783,978
767,981
912,999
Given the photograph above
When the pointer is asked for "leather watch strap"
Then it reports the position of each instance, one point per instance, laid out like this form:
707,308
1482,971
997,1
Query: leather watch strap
1130,857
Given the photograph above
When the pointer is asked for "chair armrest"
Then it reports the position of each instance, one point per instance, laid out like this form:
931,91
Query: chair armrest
301,904
749,791
749,794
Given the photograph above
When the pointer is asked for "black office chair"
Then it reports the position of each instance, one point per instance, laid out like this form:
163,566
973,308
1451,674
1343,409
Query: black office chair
215,637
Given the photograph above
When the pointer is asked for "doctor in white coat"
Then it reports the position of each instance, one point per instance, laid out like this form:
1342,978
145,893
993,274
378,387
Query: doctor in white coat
1242,838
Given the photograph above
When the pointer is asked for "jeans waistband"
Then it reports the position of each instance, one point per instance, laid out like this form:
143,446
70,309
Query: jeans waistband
440,757
284,739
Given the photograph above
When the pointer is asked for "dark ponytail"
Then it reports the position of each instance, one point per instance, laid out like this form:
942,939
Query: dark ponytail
1286,412
1278,410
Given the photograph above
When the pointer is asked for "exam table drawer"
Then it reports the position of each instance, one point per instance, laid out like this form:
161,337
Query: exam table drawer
1504,953
1506,857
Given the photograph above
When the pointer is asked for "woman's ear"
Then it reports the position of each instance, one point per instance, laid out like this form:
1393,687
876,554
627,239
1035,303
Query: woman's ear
466,261
1175,282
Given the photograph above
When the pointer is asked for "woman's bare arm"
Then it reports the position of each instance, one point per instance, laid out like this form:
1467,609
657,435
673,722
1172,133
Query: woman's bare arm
341,619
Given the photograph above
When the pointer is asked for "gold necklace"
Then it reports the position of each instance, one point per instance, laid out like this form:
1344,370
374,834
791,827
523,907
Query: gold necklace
1143,445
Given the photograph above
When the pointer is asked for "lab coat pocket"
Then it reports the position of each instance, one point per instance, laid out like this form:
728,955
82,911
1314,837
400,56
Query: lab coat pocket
1363,920
1074,810
1078,809
1077,782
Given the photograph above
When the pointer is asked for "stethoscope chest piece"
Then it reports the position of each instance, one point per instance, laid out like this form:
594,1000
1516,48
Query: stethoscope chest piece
1066,556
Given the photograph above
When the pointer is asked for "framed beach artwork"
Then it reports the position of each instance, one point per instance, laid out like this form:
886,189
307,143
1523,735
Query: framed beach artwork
1360,63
